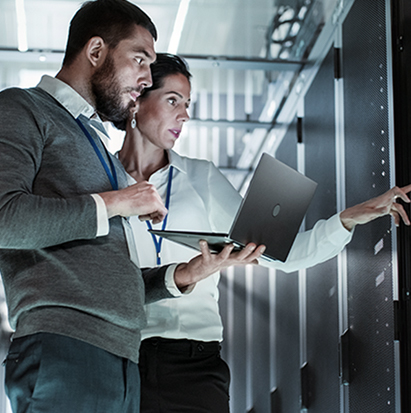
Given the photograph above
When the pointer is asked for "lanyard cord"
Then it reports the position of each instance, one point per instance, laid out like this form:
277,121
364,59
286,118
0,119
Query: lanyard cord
158,242
112,175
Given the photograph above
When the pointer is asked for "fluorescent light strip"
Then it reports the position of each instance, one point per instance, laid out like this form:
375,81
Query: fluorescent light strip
178,26
215,109
203,114
230,112
248,93
21,26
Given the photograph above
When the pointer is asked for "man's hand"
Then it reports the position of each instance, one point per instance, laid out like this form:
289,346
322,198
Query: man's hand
377,207
200,267
139,199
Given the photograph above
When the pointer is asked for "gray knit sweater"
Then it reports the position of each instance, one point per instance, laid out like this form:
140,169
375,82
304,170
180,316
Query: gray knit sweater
58,276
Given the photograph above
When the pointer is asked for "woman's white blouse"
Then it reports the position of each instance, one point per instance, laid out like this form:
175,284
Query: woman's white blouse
202,199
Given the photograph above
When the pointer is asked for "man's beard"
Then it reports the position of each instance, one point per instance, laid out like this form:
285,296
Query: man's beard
107,94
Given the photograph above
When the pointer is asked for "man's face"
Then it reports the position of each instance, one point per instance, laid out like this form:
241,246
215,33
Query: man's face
123,75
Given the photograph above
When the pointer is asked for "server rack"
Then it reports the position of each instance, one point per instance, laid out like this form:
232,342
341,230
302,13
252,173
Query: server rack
341,337
401,46
322,327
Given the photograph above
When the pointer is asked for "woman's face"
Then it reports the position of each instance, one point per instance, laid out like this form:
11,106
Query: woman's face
162,113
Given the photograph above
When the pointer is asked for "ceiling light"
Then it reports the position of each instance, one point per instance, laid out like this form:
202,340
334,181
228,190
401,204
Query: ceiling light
288,14
271,109
178,26
21,26
295,29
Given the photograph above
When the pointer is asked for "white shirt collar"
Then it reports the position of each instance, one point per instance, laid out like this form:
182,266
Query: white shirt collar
66,96
176,161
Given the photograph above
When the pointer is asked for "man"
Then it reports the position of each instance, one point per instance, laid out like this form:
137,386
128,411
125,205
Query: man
74,290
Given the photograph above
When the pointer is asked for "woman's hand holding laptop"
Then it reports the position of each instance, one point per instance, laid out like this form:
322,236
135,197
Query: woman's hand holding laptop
188,274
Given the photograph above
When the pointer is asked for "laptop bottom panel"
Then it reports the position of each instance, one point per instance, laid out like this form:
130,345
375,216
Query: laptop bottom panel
216,241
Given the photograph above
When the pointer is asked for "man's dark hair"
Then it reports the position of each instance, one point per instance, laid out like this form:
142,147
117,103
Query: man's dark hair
112,20
165,65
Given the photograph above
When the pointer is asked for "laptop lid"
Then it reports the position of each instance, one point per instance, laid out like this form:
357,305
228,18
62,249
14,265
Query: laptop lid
273,208
271,212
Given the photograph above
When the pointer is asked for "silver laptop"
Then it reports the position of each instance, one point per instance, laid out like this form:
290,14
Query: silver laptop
271,213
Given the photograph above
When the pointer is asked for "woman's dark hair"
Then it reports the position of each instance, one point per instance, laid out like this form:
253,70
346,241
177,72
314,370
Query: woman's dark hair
165,65
112,20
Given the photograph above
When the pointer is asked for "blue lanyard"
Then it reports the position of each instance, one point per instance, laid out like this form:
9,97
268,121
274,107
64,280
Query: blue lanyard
158,242
112,175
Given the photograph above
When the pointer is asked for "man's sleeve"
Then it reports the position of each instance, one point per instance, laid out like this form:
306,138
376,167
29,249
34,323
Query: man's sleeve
103,226
28,220
160,283
155,282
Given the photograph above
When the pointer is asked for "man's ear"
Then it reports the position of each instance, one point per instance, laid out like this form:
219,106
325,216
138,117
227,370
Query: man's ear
96,50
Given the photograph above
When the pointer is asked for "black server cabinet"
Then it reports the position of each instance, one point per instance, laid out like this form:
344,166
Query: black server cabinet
322,317
287,349
366,358
401,46
316,365
260,339
368,145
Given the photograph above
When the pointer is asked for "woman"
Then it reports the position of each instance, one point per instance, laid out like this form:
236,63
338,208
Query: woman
180,365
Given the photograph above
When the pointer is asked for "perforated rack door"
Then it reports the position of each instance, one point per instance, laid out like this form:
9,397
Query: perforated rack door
287,334
322,318
369,257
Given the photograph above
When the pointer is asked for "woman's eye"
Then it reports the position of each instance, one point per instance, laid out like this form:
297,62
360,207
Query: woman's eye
172,101
139,60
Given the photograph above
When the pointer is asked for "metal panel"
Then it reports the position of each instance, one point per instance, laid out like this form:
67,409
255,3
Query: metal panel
322,280
287,347
401,47
287,151
261,340
233,289
245,309
4,403
287,358
370,308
